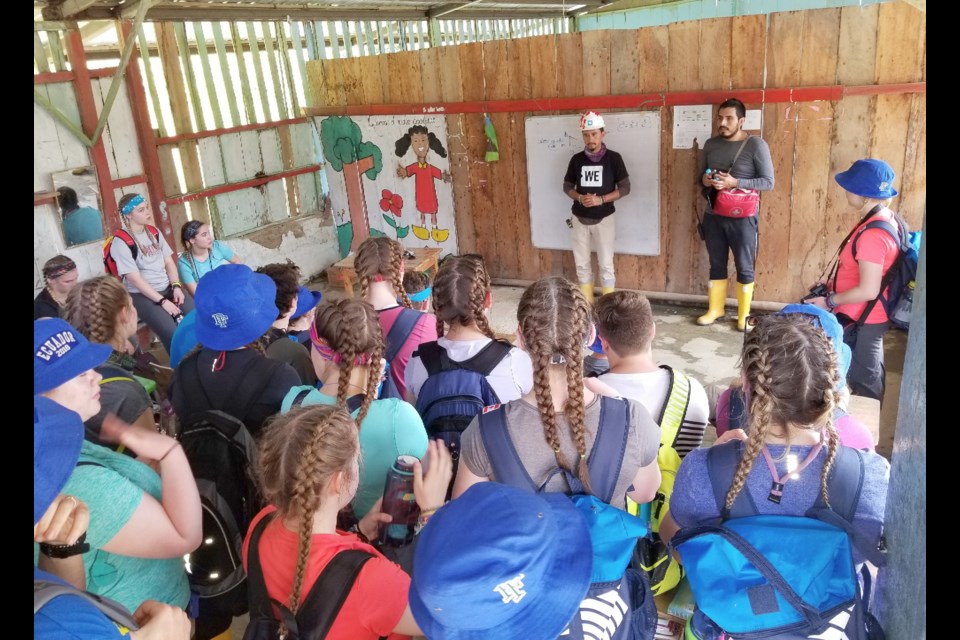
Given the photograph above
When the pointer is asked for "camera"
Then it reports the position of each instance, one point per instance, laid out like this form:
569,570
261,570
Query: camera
818,291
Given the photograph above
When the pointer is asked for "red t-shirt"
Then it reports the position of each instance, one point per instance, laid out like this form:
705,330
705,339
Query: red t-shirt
376,601
873,245
424,331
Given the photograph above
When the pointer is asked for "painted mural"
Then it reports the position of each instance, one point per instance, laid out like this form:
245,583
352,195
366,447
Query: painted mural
369,162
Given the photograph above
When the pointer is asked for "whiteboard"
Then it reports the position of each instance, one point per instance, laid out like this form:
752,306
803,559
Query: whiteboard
553,140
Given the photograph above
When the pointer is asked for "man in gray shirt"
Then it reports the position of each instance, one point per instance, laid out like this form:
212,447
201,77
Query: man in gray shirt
733,160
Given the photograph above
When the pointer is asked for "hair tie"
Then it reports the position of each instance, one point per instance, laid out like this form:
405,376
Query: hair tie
326,352
420,296
132,204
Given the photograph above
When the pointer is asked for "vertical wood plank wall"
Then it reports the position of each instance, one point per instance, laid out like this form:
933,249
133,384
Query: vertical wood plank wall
802,219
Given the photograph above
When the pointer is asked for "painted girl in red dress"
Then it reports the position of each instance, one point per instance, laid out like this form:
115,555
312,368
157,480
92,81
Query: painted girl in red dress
422,141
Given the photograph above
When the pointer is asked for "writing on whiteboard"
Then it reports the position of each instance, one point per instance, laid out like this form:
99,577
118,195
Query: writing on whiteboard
564,141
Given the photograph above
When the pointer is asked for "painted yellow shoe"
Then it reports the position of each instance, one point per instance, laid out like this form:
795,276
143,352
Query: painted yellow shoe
439,235
420,232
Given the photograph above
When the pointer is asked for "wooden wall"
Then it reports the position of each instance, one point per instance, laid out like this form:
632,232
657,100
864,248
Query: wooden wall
803,218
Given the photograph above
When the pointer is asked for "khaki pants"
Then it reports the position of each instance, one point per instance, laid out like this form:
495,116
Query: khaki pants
602,234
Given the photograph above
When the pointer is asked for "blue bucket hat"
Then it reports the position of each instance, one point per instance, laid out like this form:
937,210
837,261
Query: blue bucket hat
61,353
868,178
57,438
235,306
500,562
306,300
831,326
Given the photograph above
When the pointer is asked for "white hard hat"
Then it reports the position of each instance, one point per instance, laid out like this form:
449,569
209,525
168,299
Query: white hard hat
591,120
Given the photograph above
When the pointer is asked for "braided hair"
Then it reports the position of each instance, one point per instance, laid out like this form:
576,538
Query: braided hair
351,328
791,370
459,292
554,319
381,256
300,452
94,307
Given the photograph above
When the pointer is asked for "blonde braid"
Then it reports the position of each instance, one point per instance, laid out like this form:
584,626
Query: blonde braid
94,307
396,262
481,286
548,416
307,501
755,364
576,408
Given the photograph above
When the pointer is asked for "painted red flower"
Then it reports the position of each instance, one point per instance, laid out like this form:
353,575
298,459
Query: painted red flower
392,202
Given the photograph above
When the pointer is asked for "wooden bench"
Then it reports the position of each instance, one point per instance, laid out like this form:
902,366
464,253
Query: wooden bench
425,259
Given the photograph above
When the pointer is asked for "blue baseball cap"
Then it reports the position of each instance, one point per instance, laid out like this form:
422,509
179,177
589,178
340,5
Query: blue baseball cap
57,438
61,353
501,562
235,306
868,178
306,300
831,326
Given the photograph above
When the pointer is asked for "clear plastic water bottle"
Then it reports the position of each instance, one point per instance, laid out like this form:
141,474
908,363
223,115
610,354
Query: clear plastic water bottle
400,502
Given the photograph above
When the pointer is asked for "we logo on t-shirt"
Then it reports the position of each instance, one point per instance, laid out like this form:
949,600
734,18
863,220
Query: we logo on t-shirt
591,176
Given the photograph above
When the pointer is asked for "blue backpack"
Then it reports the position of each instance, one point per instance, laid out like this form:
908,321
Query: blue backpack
619,603
898,280
454,393
786,577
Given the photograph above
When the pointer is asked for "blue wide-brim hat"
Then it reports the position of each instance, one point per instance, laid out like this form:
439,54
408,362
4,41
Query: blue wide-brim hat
868,178
499,562
831,326
306,300
61,353
57,438
235,306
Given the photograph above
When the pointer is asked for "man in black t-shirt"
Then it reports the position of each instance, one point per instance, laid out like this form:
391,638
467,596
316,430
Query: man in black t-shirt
596,177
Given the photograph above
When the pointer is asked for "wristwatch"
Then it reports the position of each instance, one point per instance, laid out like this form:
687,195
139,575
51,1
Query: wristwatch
65,550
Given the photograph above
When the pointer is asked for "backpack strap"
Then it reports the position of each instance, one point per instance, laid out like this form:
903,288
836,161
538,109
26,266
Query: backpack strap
899,239
319,609
722,464
46,590
507,467
355,401
298,399
487,359
402,328
434,357
674,407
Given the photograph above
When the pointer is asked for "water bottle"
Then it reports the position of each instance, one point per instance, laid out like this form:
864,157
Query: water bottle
901,313
400,503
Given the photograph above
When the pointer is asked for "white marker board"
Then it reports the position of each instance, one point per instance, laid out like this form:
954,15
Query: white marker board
552,141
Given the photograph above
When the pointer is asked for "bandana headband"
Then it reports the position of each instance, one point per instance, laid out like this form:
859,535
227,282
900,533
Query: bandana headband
327,353
420,296
130,206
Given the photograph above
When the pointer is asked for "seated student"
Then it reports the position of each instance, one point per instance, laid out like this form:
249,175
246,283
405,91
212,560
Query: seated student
347,353
60,527
302,318
59,277
101,309
557,421
462,301
308,469
417,286
201,254
235,307
379,266
151,275
627,329
275,341
730,413
522,566
142,521
790,371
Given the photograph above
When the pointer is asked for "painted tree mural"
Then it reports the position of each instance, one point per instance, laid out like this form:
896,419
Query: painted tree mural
346,153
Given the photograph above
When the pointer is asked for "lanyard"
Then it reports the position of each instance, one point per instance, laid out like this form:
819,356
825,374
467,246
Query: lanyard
776,490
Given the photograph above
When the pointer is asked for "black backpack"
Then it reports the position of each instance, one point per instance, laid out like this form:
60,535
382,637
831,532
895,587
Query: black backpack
319,608
456,392
896,281
222,454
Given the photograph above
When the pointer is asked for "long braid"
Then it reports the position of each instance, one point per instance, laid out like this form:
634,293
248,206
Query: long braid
481,287
300,452
460,290
831,399
541,386
576,408
396,274
94,307
376,354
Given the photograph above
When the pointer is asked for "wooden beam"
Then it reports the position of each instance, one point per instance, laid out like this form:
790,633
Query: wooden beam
73,7
443,10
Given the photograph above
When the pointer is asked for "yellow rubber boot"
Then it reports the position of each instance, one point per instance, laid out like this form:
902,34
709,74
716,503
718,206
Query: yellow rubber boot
717,296
587,291
744,298
605,290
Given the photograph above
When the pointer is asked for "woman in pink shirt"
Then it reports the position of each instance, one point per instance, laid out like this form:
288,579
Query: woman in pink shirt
379,265
864,258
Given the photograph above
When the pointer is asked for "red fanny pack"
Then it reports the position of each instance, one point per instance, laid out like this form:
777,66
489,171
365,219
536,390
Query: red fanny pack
736,203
